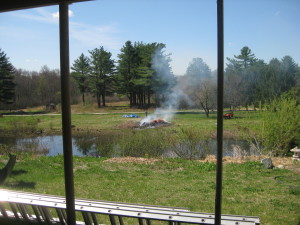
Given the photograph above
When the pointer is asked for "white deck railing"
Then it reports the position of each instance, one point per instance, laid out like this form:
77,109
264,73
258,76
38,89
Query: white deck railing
50,209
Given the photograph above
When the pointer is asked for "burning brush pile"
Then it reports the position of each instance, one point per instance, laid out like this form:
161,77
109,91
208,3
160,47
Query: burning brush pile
154,123
150,121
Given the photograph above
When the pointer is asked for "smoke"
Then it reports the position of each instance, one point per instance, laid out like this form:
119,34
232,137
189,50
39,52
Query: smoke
166,92
169,108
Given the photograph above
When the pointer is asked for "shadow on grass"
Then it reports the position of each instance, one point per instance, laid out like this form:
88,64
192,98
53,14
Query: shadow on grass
13,221
20,112
20,184
190,112
17,172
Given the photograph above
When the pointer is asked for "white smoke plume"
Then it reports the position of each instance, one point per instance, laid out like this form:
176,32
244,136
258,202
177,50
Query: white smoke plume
169,97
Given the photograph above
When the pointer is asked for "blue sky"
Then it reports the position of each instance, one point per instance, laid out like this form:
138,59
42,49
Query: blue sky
270,28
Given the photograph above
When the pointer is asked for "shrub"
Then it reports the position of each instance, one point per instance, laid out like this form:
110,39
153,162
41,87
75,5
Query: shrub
189,143
24,125
141,143
282,125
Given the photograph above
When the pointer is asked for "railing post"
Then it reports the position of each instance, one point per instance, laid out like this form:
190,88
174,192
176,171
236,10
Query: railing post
66,110
220,22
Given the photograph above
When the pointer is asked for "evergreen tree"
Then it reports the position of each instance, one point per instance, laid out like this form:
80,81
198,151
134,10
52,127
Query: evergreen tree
81,68
277,77
7,85
250,77
163,79
289,73
197,70
144,71
252,82
244,60
243,68
268,83
127,66
102,71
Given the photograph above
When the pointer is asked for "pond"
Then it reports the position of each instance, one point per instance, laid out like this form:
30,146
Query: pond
89,146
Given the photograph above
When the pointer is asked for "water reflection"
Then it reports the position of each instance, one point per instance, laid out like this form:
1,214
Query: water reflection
107,146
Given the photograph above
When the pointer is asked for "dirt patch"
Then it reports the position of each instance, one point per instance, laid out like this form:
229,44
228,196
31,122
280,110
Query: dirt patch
136,125
283,163
132,160
287,163
80,167
228,159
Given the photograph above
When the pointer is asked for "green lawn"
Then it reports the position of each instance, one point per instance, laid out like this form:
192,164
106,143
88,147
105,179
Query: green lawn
248,188
49,124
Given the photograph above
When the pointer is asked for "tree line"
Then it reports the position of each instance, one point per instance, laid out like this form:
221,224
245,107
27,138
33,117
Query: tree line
247,81
251,81
143,74
40,88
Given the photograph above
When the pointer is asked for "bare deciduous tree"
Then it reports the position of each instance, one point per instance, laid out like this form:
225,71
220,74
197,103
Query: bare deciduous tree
205,95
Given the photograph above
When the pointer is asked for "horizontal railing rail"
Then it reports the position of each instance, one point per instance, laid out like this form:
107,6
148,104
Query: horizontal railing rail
36,207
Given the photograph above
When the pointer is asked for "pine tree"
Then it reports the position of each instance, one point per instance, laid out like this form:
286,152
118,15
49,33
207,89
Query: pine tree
163,79
143,71
102,71
127,68
7,85
244,60
81,68
197,70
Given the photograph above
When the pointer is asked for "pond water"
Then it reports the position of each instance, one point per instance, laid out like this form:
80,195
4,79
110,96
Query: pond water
53,145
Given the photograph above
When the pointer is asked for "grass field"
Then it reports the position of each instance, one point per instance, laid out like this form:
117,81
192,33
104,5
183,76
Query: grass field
111,129
248,188
110,120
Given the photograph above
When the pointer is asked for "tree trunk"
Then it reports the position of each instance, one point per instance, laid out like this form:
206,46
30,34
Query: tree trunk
149,99
206,109
98,100
134,99
103,94
130,99
206,112
103,100
141,99
83,99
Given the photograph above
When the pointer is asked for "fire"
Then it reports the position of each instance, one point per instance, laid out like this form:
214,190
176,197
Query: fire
155,122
